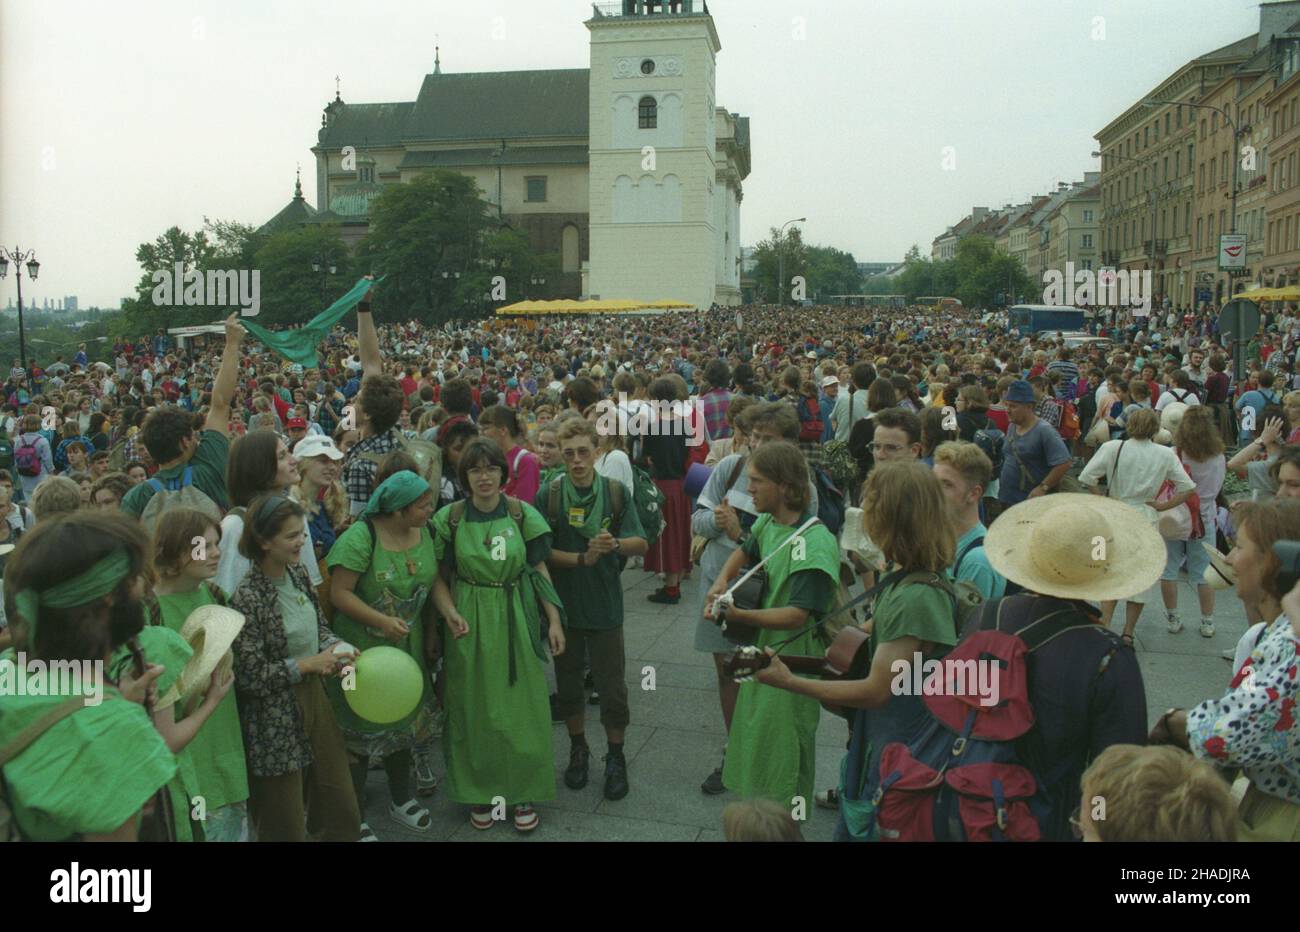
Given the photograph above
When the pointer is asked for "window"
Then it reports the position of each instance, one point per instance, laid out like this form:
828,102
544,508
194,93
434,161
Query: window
1087,216
1198,232
1178,164
1200,178
1209,230
1223,221
1189,157
1087,241
367,173
1223,166
1087,264
1146,136
1178,117
1165,169
1187,220
1173,227
536,190
1203,125
1214,121
1270,239
1166,124
649,113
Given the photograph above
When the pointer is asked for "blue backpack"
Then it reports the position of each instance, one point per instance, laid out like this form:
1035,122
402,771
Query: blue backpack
830,501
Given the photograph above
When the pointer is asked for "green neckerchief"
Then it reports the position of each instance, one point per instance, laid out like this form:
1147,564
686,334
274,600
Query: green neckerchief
300,345
94,583
570,497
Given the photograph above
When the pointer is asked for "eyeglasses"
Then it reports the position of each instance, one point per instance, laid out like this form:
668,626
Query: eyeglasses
890,448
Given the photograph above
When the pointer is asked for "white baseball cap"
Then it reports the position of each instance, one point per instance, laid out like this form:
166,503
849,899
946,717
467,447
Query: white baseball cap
316,445
826,383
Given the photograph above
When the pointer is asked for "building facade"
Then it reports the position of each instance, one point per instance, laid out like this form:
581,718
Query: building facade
627,170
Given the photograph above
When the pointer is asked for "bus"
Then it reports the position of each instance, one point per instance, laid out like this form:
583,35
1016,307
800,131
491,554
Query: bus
1037,318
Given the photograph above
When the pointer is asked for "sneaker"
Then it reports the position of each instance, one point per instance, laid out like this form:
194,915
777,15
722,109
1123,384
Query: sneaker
426,782
662,596
1175,624
615,775
594,698
575,777
481,817
367,833
556,717
1207,631
713,785
828,799
1229,655
526,818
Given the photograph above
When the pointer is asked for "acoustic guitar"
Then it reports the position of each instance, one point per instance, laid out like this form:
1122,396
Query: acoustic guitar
848,658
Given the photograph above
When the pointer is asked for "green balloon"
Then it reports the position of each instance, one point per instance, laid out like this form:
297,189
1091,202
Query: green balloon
387,687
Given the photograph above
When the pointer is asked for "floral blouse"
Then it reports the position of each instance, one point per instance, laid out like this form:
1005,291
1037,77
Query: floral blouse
1253,726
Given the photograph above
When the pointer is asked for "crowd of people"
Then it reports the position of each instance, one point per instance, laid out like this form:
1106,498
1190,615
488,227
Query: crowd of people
931,484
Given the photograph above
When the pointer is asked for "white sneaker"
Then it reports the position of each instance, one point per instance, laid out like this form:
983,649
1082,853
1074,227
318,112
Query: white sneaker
1207,631
1229,655
1175,624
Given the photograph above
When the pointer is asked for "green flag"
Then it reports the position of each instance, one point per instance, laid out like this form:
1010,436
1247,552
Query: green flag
300,345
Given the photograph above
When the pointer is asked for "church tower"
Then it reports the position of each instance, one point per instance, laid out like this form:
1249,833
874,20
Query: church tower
653,143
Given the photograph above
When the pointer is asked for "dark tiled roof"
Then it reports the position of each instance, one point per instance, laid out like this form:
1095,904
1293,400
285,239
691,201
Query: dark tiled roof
295,212
517,155
500,105
366,125
1242,48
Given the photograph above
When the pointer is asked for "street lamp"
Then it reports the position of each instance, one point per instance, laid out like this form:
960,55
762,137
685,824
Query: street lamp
320,264
780,256
18,257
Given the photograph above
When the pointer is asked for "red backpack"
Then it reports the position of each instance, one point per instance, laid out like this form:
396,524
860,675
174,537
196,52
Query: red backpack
811,426
961,778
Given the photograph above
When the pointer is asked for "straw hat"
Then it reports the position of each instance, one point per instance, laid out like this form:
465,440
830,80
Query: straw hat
1076,547
1219,575
1172,416
210,631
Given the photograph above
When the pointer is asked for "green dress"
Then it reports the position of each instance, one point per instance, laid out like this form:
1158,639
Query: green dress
386,584
771,750
166,647
498,732
217,751
89,773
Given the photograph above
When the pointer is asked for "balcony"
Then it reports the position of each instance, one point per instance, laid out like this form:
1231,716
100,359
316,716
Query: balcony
1110,258
627,9
1161,248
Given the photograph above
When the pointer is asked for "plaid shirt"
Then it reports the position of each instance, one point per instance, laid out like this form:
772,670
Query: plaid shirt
363,462
714,404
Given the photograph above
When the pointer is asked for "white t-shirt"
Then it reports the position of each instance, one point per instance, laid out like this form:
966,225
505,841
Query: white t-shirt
616,465
1143,468
234,566
1170,395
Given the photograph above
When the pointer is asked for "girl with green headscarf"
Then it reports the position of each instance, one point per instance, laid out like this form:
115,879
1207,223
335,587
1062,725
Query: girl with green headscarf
381,572
492,591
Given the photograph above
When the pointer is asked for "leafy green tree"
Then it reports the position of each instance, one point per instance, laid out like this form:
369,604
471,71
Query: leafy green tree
420,230
292,291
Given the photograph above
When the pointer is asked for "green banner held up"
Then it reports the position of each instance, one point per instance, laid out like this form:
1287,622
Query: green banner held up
300,345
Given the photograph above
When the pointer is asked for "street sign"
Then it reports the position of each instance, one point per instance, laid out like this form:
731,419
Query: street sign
1238,322
1232,250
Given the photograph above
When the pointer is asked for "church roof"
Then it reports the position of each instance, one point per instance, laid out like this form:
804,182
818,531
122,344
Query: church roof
482,105
295,212
514,155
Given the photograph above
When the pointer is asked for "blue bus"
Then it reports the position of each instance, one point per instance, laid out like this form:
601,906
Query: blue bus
1037,318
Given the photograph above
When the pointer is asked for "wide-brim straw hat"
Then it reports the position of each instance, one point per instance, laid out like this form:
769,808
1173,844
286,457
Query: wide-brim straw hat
1172,416
1219,575
210,631
1076,547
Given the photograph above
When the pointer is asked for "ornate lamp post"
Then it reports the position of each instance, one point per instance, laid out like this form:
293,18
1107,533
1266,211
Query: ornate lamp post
18,257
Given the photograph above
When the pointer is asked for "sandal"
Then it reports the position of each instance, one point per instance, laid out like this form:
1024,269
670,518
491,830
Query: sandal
1127,639
412,815
367,833
481,817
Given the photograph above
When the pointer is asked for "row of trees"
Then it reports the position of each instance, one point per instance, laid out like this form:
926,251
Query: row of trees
443,254
978,275
825,270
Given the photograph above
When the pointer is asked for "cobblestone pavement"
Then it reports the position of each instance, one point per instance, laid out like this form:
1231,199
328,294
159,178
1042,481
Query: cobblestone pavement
676,735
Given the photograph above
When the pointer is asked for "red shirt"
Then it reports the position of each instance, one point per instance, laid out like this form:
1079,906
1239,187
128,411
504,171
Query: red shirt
999,417
409,386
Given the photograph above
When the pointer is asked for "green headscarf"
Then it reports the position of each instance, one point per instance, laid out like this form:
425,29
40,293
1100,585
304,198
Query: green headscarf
94,583
395,493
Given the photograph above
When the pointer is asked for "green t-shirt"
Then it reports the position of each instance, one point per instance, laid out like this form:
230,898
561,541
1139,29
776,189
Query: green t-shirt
209,465
218,749
592,595
915,610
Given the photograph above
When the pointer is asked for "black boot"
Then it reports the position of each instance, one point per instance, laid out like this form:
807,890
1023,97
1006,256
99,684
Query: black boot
575,777
615,774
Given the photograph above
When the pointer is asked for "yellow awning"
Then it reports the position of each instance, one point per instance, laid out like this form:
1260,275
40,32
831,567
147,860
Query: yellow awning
1289,293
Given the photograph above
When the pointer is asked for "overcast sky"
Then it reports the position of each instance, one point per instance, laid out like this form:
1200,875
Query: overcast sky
119,120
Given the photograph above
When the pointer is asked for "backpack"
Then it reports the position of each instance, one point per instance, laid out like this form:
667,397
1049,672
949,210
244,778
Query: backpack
962,778
27,458
6,452
811,426
961,555
1069,428
617,494
427,456
830,501
993,442
176,493
9,830
514,508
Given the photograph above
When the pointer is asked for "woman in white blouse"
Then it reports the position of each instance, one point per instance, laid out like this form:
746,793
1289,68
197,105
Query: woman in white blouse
1134,470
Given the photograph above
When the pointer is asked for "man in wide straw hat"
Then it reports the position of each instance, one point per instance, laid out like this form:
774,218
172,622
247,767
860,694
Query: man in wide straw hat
1068,552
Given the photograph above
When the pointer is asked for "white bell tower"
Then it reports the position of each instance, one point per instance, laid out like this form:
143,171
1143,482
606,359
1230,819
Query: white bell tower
653,151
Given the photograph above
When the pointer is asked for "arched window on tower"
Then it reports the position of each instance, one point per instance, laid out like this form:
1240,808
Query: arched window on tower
648,113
